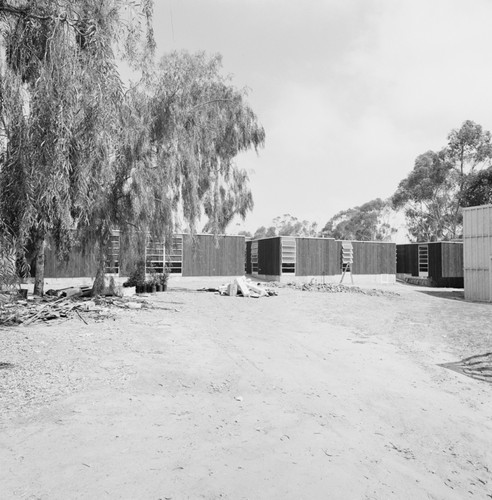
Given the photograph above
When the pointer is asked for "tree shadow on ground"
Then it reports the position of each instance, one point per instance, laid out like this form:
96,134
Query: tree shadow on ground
478,367
445,294
190,290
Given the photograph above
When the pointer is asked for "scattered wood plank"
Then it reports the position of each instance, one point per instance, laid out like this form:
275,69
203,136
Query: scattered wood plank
259,290
242,286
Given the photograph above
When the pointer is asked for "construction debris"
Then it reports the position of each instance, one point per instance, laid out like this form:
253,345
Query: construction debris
242,287
73,291
86,291
246,287
26,312
314,286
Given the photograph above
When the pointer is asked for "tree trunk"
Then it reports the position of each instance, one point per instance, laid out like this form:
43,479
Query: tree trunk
39,278
99,285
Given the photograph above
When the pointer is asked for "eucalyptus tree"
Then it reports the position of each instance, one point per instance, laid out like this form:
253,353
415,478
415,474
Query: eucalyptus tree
442,182
429,197
179,135
469,148
234,199
478,188
133,195
202,123
364,223
60,95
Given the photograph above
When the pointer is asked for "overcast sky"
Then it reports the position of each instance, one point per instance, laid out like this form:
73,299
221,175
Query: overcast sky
349,91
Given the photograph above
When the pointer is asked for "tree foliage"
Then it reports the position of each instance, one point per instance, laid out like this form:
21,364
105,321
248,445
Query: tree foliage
469,148
202,122
287,225
81,153
442,182
246,234
60,94
179,135
478,189
362,223
264,232
429,197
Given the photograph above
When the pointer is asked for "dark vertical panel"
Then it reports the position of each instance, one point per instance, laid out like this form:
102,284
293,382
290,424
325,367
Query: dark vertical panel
269,257
408,259
204,256
402,264
435,260
315,256
414,259
263,257
248,257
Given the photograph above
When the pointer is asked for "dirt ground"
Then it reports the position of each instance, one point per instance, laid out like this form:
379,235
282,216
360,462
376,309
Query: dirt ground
307,395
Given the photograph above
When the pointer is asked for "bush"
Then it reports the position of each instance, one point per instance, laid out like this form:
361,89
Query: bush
137,276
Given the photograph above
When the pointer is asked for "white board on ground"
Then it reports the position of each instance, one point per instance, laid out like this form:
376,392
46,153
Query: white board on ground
257,289
241,284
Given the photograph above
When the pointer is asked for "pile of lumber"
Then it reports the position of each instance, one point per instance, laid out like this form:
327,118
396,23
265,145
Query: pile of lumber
246,288
27,312
72,291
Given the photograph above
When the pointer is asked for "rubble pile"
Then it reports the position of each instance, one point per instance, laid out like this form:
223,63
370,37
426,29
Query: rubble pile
336,288
25,312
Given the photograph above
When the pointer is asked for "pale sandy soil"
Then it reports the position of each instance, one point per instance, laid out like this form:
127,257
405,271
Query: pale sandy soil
301,396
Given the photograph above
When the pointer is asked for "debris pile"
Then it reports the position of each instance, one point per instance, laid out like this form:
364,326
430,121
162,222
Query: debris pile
335,288
244,288
73,291
25,312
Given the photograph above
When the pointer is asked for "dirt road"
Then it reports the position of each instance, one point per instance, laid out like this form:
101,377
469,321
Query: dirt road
301,396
